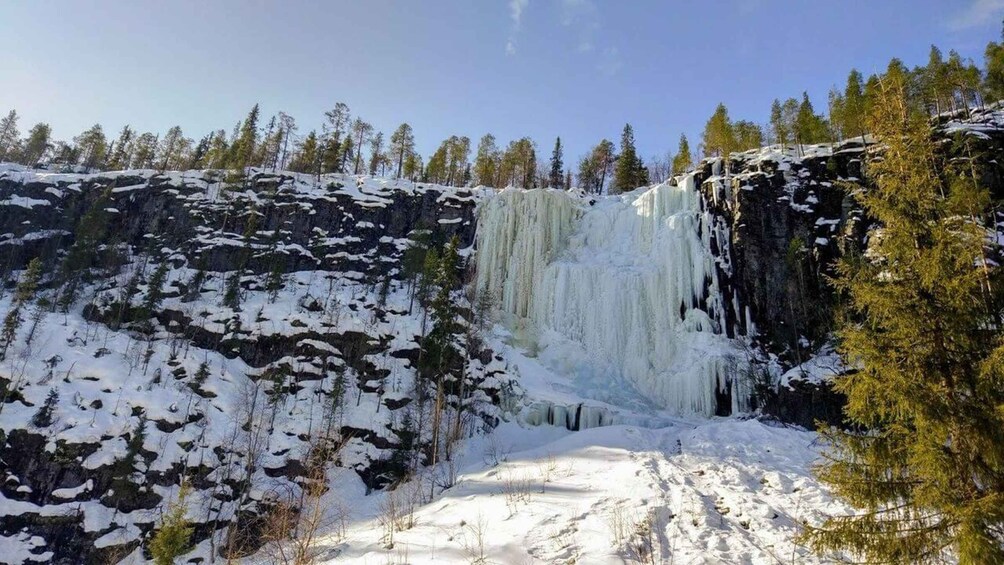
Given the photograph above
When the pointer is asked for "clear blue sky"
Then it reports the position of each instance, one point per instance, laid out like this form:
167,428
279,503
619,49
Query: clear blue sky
575,68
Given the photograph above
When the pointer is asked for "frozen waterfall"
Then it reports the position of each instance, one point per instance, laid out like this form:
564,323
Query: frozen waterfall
623,288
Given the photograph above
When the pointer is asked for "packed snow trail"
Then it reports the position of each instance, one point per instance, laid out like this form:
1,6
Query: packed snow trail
622,287
719,491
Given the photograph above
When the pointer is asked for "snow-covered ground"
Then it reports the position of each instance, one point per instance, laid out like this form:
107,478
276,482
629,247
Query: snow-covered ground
722,490
636,483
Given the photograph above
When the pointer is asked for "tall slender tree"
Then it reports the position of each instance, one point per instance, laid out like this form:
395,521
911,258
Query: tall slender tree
92,145
719,134
557,164
37,144
120,157
486,162
683,160
402,144
924,458
8,134
361,131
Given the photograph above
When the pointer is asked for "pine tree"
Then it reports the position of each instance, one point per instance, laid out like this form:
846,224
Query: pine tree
402,144
486,162
518,166
306,155
748,135
174,535
376,152
287,125
362,131
339,119
197,160
413,166
993,62
457,154
719,135
604,155
43,417
144,151
777,124
8,135
219,149
36,145
92,146
120,157
683,161
557,164
924,458
838,108
173,148
436,170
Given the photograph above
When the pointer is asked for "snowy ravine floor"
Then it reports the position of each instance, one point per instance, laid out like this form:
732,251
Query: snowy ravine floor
722,490
717,491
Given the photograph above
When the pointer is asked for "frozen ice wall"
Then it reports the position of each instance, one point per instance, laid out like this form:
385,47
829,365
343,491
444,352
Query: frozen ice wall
621,289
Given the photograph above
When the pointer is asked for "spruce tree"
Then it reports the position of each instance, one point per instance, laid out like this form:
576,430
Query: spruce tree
242,150
923,460
36,146
682,161
89,235
173,537
627,170
8,135
306,155
24,293
993,62
719,135
119,158
43,417
557,165
854,110
777,124
155,290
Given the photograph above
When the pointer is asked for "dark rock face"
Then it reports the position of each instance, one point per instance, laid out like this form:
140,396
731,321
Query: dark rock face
790,220
342,232
335,227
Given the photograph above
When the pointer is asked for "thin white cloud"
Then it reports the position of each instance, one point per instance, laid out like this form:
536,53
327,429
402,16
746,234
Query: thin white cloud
977,14
610,62
516,8
584,16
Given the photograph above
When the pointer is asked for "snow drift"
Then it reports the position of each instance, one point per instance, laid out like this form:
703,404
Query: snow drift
622,288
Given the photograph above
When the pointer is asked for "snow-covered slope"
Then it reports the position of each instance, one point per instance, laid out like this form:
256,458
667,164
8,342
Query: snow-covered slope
234,398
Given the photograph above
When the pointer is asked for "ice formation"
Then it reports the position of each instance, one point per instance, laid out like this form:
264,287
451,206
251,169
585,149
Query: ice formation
624,287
